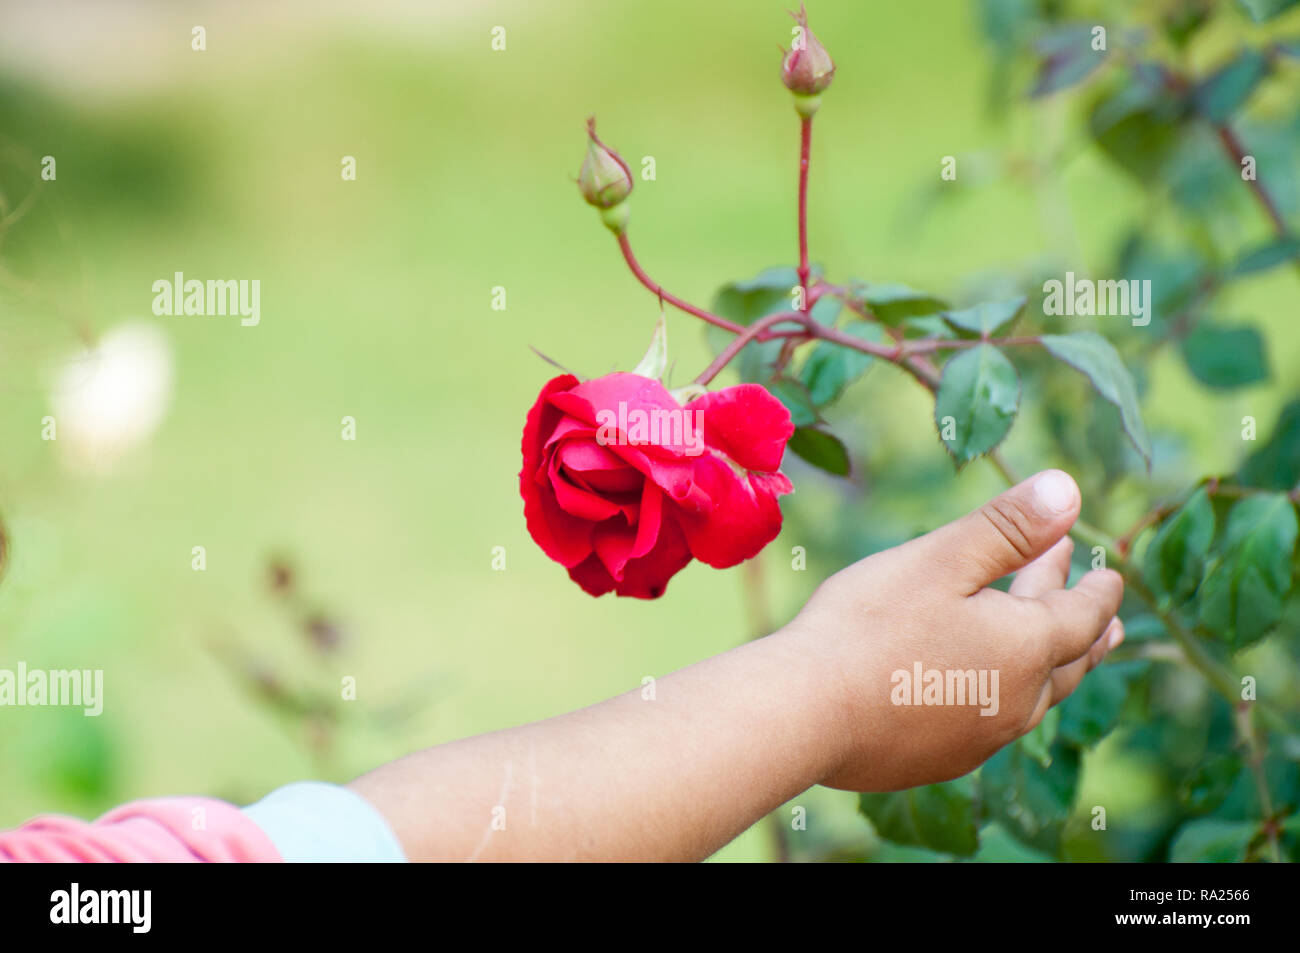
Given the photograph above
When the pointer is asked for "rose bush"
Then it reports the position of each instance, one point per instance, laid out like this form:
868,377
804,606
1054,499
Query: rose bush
623,485
1212,607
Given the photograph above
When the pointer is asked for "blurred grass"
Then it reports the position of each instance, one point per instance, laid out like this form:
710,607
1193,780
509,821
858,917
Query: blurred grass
376,304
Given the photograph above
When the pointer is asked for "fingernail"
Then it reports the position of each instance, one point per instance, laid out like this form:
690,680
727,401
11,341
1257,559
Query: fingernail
1055,491
1116,635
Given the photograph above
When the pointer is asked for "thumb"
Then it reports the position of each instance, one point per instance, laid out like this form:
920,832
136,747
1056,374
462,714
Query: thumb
1008,532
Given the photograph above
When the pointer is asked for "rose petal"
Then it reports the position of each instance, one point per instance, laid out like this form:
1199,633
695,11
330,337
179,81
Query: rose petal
746,423
744,516
592,576
647,577
576,500
579,454
649,519
650,417
563,537
614,541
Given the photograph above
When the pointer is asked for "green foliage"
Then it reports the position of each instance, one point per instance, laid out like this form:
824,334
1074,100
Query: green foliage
1276,465
1211,841
986,319
1095,357
831,367
822,449
1138,126
1272,253
1225,357
1226,90
1175,559
1093,711
1244,592
1031,800
797,400
938,816
1208,786
977,402
890,304
1067,58
1263,10
1172,111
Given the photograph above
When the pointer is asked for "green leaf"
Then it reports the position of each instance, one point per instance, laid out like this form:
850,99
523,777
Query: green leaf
822,449
1211,841
1276,465
1208,785
976,402
1242,597
1175,560
1038,743
79,759
1139,126
1263,10
1223,92
892,303
1067,58
988,318
1225,357
831,367
1267,256
1005,22
795,396
938,816
928,326
1094,708
1031,801
999,847
655,361
1182,21
1178,275
1096,358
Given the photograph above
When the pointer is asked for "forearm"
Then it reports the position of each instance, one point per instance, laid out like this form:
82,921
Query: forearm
721,744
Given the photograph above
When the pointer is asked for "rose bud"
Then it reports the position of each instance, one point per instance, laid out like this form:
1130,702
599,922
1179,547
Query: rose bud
605,180
623,485
807,68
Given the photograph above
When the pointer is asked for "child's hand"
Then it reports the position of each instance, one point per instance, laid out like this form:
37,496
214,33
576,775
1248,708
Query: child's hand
675,772
925,603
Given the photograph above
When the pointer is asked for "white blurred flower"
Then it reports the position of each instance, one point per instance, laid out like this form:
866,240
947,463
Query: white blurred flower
112,396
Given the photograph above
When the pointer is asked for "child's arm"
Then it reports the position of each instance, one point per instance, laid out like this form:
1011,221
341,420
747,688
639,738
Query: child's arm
727,740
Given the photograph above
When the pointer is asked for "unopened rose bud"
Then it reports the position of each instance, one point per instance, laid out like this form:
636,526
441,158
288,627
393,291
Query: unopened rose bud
807,68
605,179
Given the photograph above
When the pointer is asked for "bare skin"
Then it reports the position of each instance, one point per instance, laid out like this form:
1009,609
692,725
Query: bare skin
726,741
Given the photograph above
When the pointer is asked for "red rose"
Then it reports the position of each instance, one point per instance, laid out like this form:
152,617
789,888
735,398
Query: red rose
622,485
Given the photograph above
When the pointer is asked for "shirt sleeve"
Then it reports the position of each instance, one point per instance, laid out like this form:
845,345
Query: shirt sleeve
173,830
312,822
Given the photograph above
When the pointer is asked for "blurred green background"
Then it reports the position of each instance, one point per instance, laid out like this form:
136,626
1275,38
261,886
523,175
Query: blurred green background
376,304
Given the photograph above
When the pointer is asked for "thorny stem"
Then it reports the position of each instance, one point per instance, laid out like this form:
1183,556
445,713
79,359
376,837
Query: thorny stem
1234,147
1238,153
911,357
675,301
805,151
739,342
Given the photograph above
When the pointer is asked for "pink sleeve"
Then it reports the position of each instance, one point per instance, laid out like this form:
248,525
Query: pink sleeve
175,829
